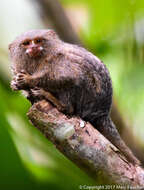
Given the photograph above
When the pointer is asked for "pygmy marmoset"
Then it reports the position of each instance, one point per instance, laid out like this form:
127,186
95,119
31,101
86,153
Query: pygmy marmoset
70,77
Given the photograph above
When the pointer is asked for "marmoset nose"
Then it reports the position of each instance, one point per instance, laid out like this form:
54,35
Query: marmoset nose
34,50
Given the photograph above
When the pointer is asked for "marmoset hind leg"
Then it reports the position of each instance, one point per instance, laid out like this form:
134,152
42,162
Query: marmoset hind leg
39,92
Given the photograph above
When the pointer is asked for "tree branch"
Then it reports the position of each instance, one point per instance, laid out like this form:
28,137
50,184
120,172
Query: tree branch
85,146
52,13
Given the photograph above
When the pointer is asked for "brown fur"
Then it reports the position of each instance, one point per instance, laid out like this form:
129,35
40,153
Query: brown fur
71,78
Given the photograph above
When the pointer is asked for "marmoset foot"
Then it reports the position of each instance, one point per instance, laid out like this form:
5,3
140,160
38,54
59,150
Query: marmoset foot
41,93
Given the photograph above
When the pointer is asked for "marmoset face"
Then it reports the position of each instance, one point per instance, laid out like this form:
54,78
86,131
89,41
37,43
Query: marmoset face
33,47
33,44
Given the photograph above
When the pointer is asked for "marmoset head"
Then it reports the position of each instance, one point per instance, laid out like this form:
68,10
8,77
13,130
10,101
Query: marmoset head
33,43
31,47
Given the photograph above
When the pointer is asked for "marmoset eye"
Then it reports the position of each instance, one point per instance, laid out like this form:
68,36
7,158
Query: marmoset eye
25,43
37,41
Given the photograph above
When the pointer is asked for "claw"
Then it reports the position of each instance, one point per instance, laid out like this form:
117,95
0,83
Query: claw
36,88
14,85
20,75
36,92
23,71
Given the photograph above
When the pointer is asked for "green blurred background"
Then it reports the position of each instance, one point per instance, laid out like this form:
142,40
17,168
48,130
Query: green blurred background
112,30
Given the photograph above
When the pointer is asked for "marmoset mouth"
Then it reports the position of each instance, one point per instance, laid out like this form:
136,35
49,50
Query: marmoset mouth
34,51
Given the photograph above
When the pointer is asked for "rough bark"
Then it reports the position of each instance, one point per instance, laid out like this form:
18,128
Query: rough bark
85,146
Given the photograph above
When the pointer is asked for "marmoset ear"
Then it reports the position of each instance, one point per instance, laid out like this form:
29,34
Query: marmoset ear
10,46
51,34
11,49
